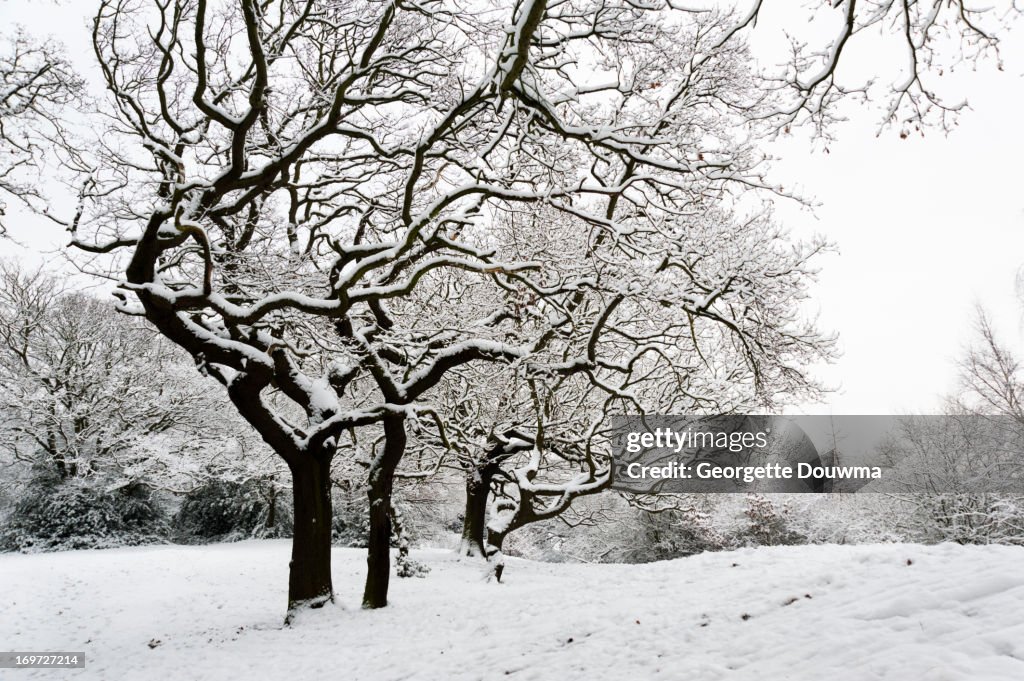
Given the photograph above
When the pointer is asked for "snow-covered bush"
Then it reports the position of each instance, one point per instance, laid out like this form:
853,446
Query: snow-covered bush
226,510
81,513
405,566
350,525
965,518
661,528
768,524
846,518
674,534
432,510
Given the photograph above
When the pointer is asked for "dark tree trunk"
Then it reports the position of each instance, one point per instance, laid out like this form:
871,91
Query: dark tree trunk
474,522
272,511
494,543
309,577
478,487
378,555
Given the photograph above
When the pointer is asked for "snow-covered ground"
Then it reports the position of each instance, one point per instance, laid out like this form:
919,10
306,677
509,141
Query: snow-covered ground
903,612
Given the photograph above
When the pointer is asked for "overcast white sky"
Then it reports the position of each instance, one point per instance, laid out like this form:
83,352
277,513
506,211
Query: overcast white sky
926,228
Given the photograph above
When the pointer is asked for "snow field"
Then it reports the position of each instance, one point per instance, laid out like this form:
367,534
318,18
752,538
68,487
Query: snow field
906,612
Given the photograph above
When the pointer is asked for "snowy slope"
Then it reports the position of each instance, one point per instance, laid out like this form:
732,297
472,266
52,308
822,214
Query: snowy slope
903,612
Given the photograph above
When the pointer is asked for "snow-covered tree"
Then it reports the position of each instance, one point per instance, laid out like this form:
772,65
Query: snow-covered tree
991,375
84,390
964,468
37,84
97,402
335,207
657,358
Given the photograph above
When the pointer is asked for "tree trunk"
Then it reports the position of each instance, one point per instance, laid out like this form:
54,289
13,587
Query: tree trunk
474,522
494,554
382,477
309,578
272,511
58,458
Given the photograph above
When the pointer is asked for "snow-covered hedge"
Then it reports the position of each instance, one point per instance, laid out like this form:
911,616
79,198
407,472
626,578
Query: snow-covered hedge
227,511
964,518
81,513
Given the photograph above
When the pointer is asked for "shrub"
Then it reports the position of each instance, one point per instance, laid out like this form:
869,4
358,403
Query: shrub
350,525
966,518
229,511
768,525
81,513
679,532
